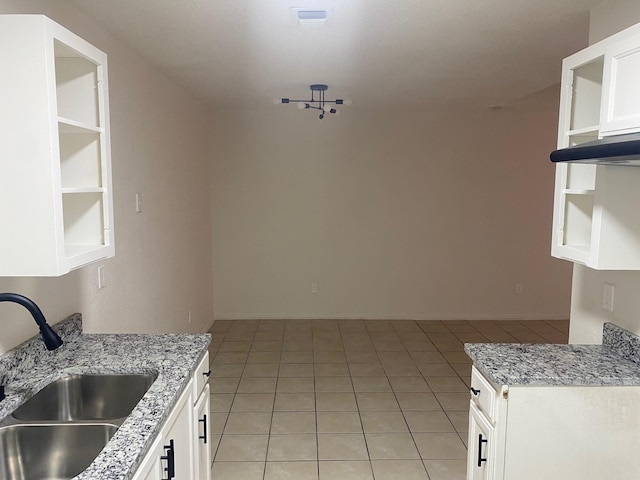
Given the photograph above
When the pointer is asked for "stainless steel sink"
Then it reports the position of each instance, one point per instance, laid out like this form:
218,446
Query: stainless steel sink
51,452
86,398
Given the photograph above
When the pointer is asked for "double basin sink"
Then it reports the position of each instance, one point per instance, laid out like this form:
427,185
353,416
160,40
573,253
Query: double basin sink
58,432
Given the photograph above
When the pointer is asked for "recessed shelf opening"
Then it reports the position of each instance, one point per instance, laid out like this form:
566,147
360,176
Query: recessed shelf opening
83,219
80,161
76,86
577,221
581,176
585,98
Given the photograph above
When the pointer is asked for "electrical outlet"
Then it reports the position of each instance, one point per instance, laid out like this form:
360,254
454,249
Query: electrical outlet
519,289
607,296
314,288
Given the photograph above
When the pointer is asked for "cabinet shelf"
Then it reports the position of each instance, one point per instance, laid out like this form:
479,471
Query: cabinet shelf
578,132
73,127
578,191
73,190
580,249
83,253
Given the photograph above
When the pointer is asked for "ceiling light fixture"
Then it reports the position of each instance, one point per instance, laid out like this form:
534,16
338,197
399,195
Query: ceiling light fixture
319,103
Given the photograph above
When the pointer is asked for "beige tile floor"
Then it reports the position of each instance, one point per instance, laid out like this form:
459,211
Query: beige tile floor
348,399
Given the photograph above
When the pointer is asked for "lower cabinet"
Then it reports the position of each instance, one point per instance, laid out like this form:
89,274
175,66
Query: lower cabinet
178,459
203,435
182,450
534,432
480,459
151,468
201,417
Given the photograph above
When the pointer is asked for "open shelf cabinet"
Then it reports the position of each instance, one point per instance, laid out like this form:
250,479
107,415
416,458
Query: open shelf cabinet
594,221
57,212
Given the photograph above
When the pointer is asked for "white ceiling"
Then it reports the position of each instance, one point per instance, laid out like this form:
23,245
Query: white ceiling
423,54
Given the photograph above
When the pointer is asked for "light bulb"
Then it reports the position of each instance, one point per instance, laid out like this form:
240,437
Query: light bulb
326,108
277,101
348,102
301,105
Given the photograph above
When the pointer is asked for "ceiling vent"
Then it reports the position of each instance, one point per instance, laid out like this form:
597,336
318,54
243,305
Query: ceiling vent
310,17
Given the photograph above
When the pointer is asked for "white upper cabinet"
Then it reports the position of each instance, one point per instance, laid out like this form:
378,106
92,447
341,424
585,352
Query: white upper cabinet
621,98
56,210
595,220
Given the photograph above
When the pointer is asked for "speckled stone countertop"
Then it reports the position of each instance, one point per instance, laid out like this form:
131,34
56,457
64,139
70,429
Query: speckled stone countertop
615,362
29,367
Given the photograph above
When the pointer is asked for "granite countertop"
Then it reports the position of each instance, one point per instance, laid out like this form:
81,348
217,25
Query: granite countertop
29,367
614,363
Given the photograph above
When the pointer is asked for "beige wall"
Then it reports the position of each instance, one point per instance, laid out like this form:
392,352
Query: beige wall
393,214
611,16
587,315
160,147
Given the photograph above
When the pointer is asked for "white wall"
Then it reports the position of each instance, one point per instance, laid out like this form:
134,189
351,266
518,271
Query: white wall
160,147
393,214
587,316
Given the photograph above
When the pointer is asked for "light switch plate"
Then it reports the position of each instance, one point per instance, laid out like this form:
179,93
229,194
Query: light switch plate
100,277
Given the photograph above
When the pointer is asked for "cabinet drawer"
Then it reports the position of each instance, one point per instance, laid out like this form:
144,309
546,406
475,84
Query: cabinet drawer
483,394
201,376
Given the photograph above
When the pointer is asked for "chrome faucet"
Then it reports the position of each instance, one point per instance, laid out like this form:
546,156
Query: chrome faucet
51,338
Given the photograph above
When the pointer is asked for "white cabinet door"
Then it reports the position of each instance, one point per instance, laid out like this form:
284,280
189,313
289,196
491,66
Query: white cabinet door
151,467
480,461
178,437
203,435
621,97
201,417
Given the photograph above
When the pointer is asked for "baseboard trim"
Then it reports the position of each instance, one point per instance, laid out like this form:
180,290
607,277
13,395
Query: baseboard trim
427,317
208,326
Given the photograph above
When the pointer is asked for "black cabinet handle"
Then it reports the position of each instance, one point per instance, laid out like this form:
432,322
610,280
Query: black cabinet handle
204,421
170,457
475,392
480,442
206,374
